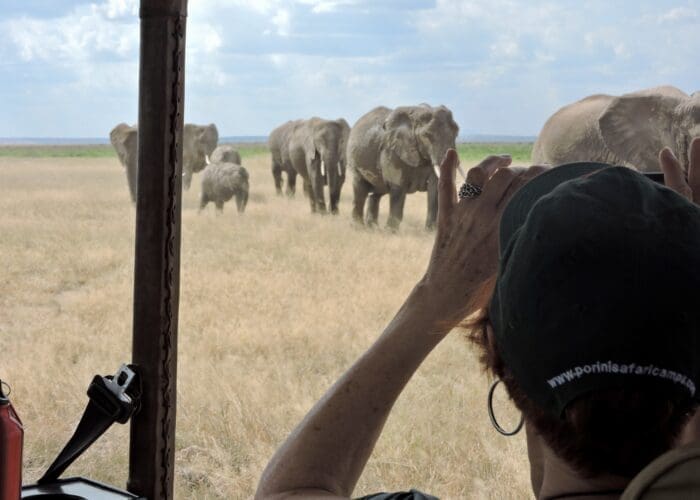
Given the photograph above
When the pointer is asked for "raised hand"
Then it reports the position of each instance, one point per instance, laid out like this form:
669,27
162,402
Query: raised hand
674,176
465,253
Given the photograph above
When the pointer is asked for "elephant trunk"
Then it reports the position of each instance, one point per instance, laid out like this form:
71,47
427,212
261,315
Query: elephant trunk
242,199
332,170
438,152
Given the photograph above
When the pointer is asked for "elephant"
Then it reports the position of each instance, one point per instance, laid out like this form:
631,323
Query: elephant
198,143
124,140
221,181
226,154
277,142
627,130
316,149
396,152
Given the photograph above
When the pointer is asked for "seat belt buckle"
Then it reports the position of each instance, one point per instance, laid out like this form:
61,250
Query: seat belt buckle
116,395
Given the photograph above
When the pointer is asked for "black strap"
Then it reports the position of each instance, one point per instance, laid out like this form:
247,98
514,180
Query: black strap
112,399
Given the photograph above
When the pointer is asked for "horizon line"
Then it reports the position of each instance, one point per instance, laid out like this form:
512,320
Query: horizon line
96,140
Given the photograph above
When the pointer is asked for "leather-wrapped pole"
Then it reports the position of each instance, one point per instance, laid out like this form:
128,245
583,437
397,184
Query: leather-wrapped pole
157,263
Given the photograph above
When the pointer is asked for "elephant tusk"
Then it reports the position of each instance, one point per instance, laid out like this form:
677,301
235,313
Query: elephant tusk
340,170
323,168
459,169
461,172
206,160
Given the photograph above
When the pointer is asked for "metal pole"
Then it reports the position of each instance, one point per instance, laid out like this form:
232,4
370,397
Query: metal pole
157,267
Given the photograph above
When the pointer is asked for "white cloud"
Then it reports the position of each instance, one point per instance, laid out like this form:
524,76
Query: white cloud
278,60
80,36
283,22
483,77
324,6
608,40
92,39
507,48
120,8
474,55
204,38
678,14
621,50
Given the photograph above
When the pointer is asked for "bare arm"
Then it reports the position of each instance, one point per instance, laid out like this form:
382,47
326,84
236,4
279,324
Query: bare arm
330,447
325,455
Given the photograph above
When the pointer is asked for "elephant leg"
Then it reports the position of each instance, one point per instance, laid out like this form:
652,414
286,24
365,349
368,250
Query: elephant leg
309,192
397,198
373,209
334,198
219,207
360,190
277,176
186,179
241,199
432,202
334,195
291,184
131,177
203,201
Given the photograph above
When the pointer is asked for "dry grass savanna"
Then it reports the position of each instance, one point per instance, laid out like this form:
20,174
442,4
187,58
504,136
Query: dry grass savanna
275,305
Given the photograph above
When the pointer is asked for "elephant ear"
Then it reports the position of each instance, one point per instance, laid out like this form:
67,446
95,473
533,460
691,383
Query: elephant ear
400,137
131,143
124,139
635,127
215,135
344,136
209,136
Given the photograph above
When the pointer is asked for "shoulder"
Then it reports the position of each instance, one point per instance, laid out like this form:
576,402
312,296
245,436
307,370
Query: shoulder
673,475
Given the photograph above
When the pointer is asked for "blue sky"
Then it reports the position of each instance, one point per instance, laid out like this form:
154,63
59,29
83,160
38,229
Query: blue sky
68,68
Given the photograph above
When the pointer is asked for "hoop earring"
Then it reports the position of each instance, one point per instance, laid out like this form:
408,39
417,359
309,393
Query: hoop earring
494,422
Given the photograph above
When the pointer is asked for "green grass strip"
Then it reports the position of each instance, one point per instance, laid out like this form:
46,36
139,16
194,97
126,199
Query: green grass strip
63,151
520,152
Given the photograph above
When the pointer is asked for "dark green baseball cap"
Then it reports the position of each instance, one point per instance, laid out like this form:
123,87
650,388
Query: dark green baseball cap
598,286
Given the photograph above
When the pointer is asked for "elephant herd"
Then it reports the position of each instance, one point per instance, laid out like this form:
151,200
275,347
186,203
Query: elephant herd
223,176
396,151
314,149
389,152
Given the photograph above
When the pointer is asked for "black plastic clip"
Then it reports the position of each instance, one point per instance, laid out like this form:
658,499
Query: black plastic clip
114,398
116,395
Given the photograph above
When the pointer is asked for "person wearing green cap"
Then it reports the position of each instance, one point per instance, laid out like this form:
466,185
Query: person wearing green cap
580,284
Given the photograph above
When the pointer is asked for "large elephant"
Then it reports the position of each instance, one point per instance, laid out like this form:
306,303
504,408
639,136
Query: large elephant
317,153
278,142
396,152
199,141
627,130
124,140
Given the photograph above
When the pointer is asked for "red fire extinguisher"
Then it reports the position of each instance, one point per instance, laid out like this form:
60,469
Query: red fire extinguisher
11,437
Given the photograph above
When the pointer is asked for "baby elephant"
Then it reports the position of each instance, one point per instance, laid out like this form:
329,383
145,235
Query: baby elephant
226,153
221,182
